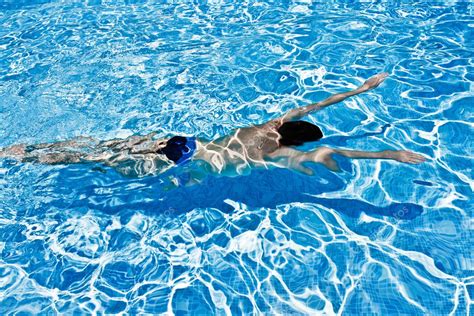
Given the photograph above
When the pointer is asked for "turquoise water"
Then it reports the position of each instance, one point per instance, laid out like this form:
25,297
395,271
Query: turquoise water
379,238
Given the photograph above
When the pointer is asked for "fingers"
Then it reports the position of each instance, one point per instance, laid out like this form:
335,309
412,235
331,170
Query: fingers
376,80
419,158
381,77
414,158
15,150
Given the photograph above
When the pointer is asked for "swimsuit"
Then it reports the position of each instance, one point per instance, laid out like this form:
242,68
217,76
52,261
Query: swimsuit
179,149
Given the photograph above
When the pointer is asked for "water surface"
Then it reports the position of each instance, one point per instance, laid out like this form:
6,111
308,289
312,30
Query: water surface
379,238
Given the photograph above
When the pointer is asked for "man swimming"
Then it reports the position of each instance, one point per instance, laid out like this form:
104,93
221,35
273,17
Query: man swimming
266,145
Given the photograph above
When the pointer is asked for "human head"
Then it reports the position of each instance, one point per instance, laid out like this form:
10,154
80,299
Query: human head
295,133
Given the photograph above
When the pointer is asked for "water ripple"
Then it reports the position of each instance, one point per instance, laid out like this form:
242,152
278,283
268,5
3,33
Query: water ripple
379,238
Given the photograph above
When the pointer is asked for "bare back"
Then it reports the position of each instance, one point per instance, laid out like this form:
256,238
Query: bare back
242,150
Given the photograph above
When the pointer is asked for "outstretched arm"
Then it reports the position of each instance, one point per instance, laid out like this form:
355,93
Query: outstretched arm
398,155
76,150
298,113
295,159
64,152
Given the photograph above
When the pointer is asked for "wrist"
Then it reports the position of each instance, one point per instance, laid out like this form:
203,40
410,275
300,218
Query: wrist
363,88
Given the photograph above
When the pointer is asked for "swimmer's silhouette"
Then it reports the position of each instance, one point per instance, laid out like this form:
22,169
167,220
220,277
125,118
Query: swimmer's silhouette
267,145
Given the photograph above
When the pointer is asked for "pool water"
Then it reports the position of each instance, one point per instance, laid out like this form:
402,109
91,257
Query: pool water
378,238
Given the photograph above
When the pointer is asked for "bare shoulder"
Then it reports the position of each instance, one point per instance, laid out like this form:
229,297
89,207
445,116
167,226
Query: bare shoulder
275,123
323,153
272,125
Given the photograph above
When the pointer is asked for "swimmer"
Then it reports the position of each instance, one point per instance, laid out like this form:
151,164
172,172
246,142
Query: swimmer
272,144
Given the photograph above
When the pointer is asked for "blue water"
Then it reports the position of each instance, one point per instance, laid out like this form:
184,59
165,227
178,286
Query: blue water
378,238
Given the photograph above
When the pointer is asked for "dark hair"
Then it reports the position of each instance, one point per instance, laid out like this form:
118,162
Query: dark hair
296,133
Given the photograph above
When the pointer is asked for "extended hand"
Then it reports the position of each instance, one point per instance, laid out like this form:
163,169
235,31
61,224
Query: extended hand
406,156
374,81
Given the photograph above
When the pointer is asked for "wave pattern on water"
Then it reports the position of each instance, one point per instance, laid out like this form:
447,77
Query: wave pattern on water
379,238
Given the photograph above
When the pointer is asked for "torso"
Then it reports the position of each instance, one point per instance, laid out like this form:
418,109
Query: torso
234,154
244,149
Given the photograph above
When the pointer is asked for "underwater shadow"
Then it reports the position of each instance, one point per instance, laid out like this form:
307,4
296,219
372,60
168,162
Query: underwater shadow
113,194
270,188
